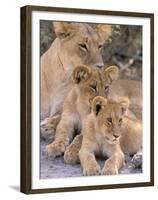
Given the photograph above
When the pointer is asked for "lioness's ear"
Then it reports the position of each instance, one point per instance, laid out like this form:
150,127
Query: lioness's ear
111,73
81,73
104,31
63,30
124,102
98,104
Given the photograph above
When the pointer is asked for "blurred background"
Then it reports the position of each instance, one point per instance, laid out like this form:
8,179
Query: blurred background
123,48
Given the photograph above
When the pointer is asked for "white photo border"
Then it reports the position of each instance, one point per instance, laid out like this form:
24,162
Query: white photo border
38,183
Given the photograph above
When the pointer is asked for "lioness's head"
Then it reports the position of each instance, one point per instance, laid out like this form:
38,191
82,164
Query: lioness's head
92,82
109,117
80,43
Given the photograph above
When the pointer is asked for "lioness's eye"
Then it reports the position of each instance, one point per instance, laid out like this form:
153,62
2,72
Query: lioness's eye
83,46
106,89
93,87
109,120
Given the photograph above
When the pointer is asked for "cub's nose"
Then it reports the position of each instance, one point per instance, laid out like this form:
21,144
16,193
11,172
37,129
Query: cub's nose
99,65
116,136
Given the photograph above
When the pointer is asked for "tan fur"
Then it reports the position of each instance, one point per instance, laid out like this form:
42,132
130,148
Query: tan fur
58,62
131,89
67,51
108,131
88,83
71,153
48,126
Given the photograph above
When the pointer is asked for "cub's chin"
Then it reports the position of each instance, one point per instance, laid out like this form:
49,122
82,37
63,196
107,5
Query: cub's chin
113,141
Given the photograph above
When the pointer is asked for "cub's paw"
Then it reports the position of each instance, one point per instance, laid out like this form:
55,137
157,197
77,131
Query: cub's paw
92,170
109,170
71,155
47,129
55,149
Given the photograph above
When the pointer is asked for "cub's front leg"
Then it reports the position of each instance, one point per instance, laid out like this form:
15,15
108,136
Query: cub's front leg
113,163
64,134
89,163
71,154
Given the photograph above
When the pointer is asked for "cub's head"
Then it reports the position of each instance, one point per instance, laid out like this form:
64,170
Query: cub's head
80,43
109,117
92,82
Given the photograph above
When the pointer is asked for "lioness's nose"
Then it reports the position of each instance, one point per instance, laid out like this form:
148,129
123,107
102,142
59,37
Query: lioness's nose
99,65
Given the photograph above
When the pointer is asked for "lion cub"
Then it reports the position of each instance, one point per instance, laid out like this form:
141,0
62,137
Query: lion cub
88,83
109,132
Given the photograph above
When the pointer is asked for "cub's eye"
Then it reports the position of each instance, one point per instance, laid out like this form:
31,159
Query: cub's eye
83,47
120,120
109,120
93,87
106,89
100,46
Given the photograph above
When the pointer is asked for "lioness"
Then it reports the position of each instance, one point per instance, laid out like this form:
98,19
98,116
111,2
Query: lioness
131,89
109,132
89,82
76,43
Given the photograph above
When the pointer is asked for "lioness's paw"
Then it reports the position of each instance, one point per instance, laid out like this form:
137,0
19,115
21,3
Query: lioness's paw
137,159
92,170
109,170
55,149
71,155
47,129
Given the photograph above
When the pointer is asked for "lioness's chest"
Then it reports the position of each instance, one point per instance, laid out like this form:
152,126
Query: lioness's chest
58,95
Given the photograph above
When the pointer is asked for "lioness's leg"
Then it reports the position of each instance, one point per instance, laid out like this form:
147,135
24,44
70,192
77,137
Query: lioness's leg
49,124
71,153
113,164
88,162
48,127
63,136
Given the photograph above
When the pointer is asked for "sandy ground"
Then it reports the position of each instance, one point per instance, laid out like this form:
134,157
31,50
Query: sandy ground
58,169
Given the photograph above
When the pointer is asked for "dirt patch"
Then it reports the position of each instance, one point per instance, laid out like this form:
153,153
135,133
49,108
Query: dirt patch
58,169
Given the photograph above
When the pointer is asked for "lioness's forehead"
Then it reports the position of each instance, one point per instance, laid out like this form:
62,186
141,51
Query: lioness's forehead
88,31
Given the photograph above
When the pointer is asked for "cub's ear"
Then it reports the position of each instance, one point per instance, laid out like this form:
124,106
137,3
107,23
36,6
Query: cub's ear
81,73
104,31
111,73
98,104
63,30
124,102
